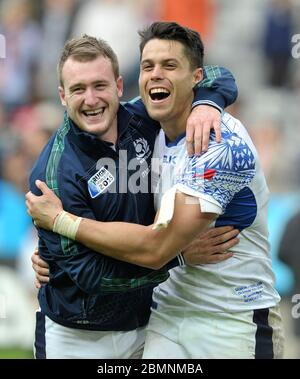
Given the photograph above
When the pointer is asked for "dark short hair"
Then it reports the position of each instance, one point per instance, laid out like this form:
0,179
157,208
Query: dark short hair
193,46
84,49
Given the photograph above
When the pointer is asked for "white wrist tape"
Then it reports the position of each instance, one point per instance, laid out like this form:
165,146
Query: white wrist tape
66,226
166,209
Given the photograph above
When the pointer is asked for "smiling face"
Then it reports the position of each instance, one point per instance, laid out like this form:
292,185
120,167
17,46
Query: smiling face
166,83
91,94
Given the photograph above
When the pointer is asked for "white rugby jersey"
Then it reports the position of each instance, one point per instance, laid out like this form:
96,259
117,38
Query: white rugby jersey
226,180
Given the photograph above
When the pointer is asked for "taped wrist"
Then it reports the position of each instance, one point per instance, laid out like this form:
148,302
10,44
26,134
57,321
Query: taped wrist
65,225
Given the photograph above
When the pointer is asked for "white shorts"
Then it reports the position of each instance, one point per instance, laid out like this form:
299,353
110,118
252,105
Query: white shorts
53,340
204,335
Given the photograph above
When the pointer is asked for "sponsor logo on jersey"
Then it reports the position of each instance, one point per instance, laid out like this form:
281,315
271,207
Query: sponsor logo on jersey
170,159
99,182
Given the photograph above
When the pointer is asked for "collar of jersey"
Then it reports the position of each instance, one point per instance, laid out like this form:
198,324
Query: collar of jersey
123,121
176,141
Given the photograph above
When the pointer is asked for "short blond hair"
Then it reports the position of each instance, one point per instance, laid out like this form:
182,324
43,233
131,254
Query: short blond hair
84,49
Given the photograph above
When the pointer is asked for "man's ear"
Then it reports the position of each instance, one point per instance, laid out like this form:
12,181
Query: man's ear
62,96
198,75
120,86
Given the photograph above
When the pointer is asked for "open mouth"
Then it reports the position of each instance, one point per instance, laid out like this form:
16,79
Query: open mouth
94,112
158,94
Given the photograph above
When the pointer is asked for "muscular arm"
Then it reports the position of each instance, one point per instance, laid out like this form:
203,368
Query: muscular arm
128,242
142,245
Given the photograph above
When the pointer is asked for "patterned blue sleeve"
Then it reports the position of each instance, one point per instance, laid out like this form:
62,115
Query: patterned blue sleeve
221,172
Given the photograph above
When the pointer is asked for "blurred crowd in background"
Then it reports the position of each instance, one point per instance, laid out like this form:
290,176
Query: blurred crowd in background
253,38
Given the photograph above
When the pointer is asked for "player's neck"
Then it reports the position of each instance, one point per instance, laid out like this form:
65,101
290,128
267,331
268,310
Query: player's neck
111,135
176,126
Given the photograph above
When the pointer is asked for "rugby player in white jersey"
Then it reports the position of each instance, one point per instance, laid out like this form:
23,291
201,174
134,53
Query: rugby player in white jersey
226,310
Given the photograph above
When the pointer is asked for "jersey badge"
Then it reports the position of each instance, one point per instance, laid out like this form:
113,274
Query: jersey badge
141,148
99,182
